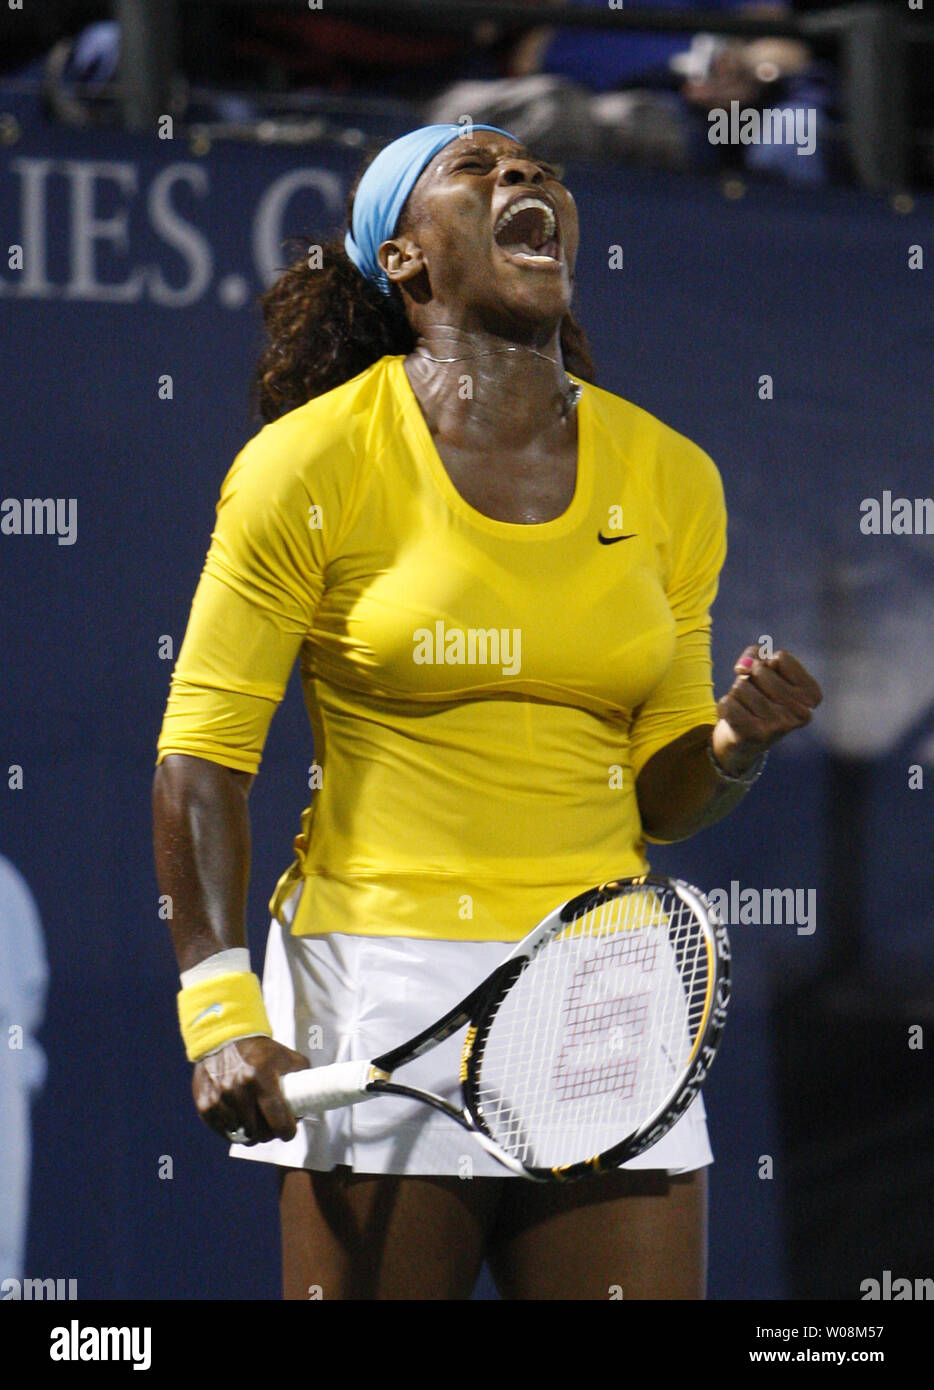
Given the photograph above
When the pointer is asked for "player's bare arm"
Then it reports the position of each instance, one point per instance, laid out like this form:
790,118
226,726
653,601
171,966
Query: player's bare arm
202,848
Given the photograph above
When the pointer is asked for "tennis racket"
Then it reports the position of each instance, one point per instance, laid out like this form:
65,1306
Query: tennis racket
584,1046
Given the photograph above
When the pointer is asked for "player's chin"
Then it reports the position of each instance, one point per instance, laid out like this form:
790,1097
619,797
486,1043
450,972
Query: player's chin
538,283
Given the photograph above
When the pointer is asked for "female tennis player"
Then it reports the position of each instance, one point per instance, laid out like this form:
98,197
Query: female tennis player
497,578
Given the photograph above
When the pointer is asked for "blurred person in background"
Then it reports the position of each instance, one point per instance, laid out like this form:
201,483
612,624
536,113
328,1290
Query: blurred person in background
575,94
644,97
23,980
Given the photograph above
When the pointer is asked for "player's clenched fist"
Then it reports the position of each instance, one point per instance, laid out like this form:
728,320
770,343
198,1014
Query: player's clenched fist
237,1091
769,697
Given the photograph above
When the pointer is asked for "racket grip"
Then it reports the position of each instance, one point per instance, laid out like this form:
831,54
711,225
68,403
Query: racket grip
327,1088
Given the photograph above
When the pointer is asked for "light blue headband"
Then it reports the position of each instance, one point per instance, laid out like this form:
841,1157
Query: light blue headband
382,192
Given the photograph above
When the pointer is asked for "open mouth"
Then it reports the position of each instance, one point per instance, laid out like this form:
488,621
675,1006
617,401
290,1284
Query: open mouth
527,231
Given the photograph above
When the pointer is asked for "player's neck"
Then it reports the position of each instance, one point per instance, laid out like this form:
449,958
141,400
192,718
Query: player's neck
475,387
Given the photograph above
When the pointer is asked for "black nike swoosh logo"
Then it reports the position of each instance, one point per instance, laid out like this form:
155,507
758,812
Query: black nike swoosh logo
611,540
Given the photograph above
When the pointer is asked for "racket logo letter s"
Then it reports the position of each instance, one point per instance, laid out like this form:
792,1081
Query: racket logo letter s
597,1028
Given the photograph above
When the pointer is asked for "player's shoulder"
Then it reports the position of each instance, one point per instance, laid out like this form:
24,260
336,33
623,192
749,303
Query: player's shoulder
667,459
319,445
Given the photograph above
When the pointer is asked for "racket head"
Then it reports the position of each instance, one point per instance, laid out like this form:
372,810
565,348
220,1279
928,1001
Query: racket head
599,1030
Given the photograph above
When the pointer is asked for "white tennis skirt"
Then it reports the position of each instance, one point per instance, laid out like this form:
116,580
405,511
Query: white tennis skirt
342,998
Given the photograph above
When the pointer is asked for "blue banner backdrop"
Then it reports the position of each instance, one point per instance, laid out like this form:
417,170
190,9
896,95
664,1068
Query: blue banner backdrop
141,263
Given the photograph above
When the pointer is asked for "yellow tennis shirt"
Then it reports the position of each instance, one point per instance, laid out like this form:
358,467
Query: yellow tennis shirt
482,694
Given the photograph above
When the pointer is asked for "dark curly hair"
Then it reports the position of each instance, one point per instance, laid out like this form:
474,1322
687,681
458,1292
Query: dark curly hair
327,323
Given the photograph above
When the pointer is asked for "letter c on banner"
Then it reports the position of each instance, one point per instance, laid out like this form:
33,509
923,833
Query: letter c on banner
268,231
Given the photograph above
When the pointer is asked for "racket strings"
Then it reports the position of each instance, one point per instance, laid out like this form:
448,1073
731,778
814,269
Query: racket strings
590,1042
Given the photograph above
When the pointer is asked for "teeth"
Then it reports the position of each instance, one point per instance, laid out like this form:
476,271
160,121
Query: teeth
519,206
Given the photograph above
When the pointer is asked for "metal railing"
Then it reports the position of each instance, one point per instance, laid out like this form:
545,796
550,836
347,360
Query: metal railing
870,41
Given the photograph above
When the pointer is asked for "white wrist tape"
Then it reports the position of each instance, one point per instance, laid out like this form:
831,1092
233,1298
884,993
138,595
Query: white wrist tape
231,962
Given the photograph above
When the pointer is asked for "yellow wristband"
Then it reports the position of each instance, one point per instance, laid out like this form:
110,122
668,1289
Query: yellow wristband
217,1011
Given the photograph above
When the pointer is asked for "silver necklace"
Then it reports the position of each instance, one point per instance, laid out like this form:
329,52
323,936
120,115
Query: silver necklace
572,393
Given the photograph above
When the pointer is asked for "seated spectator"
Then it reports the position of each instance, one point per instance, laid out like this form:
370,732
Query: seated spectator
643,97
